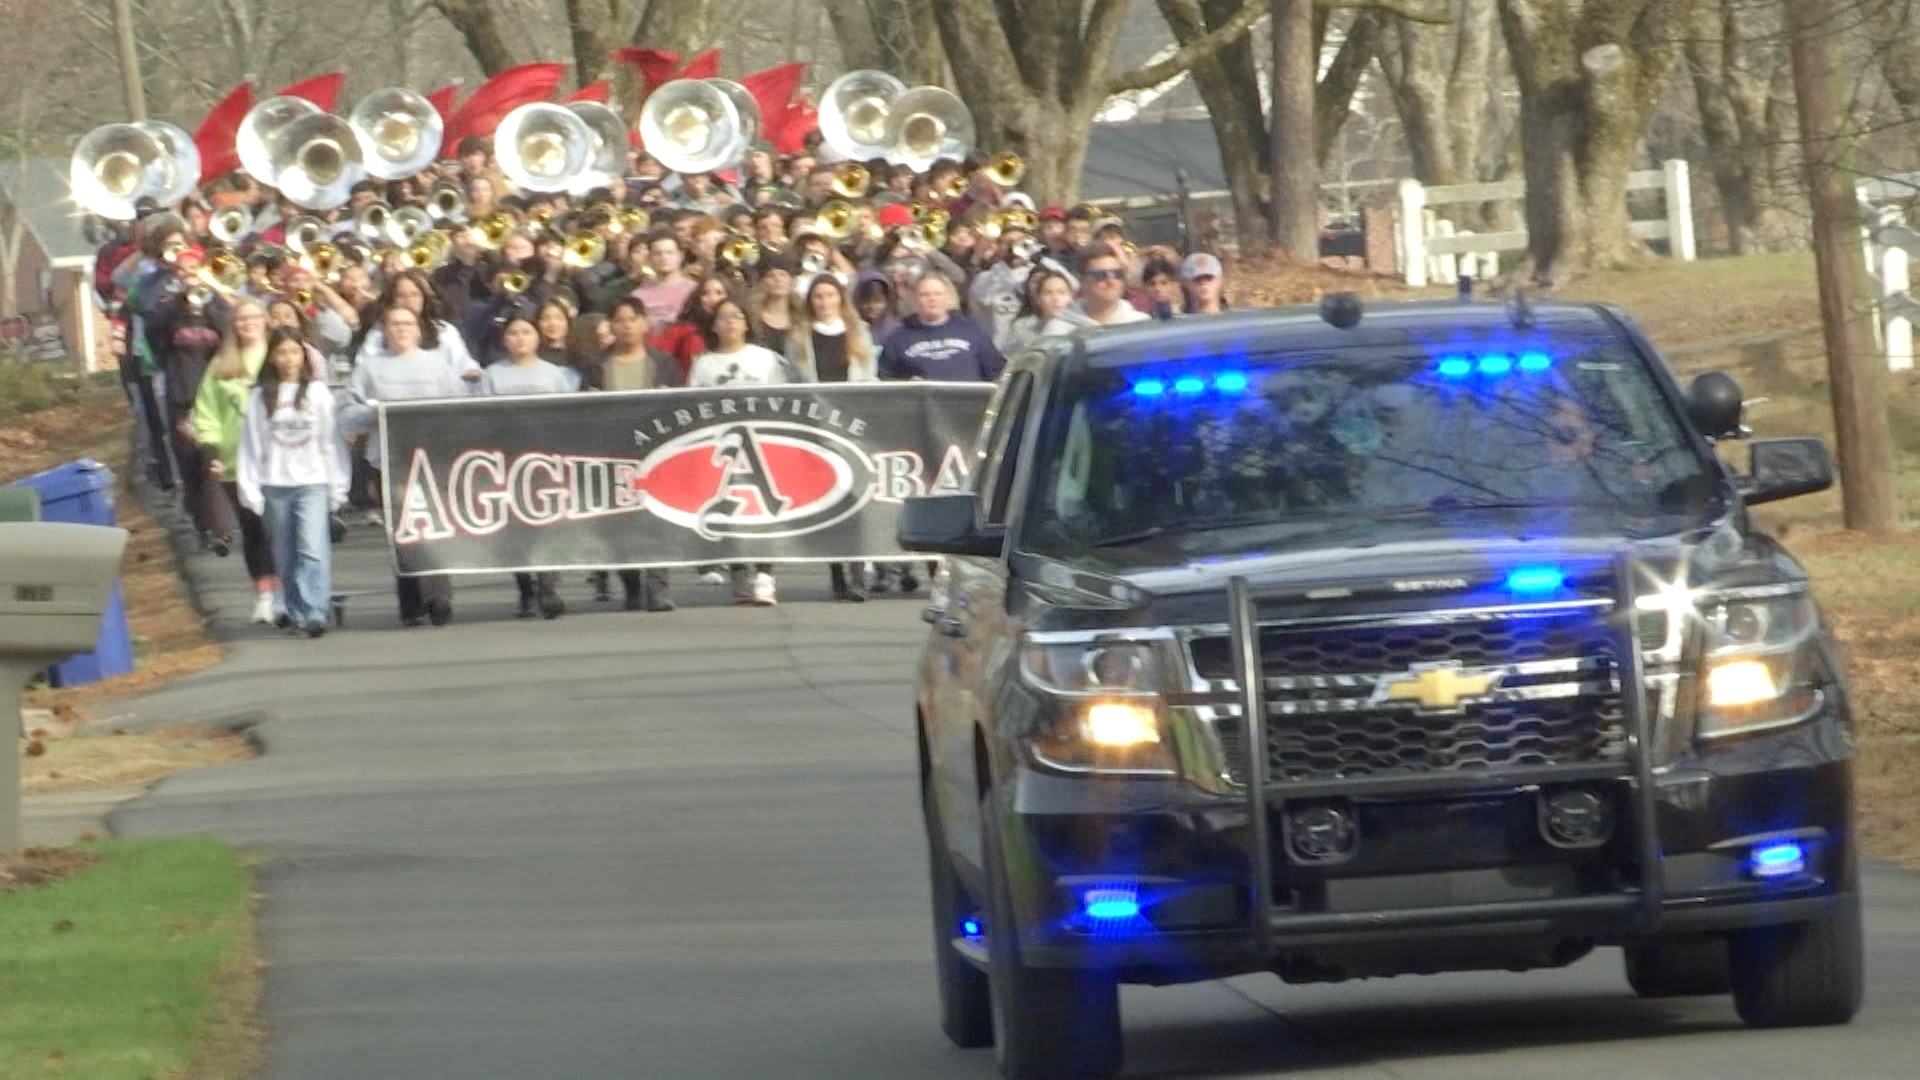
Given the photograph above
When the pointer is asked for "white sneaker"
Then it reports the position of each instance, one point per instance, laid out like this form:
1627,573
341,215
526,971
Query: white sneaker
714,577
763,590
263,608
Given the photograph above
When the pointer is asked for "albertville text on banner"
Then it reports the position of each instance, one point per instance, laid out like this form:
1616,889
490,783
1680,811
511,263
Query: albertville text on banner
656,478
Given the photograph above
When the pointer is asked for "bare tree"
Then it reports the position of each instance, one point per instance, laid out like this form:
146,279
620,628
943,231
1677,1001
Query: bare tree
37,45
1441,78
899,36
1035,72
479,26
682,26
1590,73
1743,85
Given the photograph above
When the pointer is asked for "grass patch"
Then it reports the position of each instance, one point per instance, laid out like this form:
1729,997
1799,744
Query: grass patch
142,965
31,387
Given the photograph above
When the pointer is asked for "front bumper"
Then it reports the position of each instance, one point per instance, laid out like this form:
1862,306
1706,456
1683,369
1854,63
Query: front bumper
1468,863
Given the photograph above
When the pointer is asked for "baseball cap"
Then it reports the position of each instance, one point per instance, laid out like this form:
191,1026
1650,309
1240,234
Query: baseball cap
1019,199
1199,265
896,216
1054,213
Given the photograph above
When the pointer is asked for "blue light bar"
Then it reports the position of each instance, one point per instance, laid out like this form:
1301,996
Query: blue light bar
970,927
1110,904
1536,580
1495,364
1776,860
1149,388
1189,384
1535,362
1456,367
1230,382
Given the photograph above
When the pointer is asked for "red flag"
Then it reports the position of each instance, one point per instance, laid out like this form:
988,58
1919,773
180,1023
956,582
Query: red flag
215,137
500,95
322,90
594,91
443,99
651,66
704,66
788,132
774,88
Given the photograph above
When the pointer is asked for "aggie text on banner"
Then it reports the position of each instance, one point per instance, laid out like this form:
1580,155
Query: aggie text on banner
806,473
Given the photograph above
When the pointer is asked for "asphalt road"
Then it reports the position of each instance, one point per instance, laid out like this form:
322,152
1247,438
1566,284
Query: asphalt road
687,846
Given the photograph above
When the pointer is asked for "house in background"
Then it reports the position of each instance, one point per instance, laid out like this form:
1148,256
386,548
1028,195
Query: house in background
48,261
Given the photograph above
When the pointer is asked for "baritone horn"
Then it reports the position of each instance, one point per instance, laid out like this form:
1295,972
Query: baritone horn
583,248
447,202
692,126
927,124
543,147
1006,170
113,168
852,181
230,224
399,132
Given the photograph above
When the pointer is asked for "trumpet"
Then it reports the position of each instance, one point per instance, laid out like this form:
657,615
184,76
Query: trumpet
430,253
584,248
516,283
1006,170
447,203
836,219
738,250
540,219
304,298
629,219
852,181
230,224
491,232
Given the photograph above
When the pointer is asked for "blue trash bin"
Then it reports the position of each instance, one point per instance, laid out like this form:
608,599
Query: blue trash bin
81,493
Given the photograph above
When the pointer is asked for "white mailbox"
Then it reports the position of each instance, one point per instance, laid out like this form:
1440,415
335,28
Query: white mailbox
55,581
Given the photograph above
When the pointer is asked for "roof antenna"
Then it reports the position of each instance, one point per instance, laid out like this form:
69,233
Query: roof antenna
1341,309
1520,310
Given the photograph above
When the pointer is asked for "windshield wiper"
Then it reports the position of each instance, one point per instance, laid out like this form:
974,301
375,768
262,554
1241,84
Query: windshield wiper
1232,521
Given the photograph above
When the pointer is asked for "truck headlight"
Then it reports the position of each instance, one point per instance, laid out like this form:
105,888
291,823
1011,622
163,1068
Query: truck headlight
1107,714
1762,665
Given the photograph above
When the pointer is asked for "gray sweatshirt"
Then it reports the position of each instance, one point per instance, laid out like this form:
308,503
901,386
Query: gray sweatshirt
382,376
508,379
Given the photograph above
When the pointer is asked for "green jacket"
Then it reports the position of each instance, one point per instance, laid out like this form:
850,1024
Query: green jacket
219,411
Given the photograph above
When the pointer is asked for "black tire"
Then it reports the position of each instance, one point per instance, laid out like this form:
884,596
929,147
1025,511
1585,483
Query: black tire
1048,1024
966,1003
1802,974
1679,969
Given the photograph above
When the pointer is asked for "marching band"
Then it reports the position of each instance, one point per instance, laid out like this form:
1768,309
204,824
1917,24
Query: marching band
568,251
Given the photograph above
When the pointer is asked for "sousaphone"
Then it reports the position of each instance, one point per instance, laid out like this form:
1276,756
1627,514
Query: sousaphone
927,124
608,159
543,147
854,113
691,126
114,167
317,160
399,132
254,143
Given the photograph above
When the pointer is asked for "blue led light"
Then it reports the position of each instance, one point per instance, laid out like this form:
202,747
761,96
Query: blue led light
1536,580
1495,364
1149,388
1782,859
1110,904
970,927
1189,384
1456,367
1535,362
1230,382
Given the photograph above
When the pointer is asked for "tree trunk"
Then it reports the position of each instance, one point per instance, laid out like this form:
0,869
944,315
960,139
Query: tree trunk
1589,80
681,26
401,20
479,26
1228,82
1333,97
1893,29
898,36
590,26
1294,222
1742,85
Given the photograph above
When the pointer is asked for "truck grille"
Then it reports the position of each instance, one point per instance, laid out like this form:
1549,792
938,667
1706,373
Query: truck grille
1558,704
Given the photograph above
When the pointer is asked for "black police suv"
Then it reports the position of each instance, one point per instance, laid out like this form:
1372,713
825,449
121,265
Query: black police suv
1342,643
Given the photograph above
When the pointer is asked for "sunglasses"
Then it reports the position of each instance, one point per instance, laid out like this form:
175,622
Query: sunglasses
1106,275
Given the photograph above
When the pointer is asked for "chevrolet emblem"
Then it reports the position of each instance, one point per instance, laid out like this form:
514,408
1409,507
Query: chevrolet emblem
1444,687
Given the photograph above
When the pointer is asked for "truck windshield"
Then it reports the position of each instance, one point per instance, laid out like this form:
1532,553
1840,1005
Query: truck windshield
1364,438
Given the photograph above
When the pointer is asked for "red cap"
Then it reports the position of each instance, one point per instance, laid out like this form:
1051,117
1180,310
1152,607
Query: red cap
895,216
1054,213
193,253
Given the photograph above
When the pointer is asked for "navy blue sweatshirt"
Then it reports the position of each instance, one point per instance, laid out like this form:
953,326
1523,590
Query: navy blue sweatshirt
957,350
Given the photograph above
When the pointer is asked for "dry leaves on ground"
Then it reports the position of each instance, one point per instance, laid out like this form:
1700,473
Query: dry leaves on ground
35,867
71,762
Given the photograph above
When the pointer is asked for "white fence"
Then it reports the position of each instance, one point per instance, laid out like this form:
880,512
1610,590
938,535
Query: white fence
1431,248
1890,244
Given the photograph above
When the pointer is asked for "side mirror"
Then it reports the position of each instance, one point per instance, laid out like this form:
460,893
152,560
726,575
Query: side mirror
1714,404
1786,468
946,525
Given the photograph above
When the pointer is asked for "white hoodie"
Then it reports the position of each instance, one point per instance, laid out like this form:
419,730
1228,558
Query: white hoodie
292,447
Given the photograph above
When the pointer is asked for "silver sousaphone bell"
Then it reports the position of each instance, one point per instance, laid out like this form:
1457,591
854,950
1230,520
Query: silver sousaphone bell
927,124
854,111
254,142
180,166
607,160
317,160
542,147
746,107
114,167
692,126
399,132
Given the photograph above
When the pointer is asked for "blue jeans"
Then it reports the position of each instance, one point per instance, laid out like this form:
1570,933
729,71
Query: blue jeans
302,553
